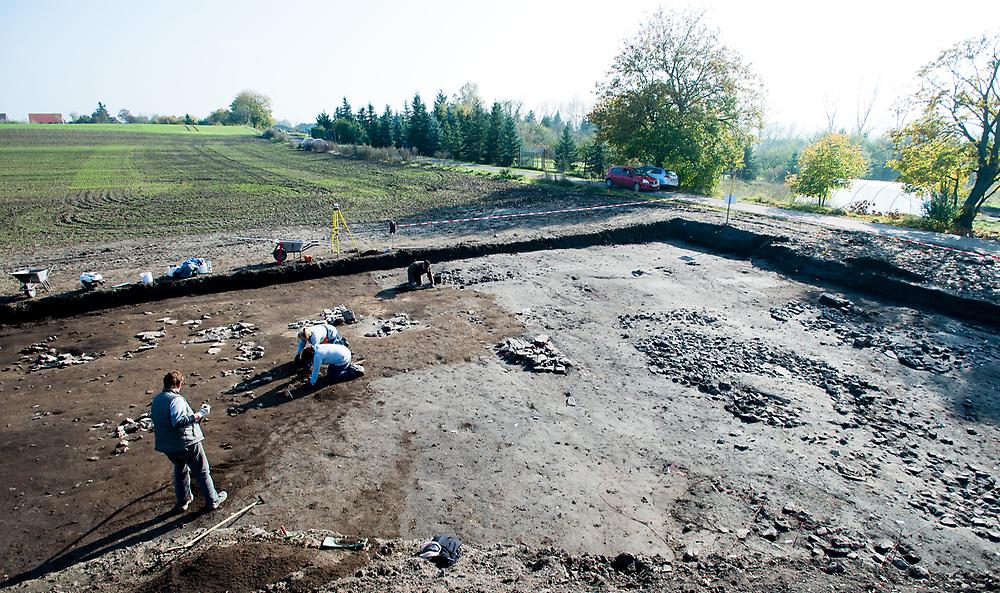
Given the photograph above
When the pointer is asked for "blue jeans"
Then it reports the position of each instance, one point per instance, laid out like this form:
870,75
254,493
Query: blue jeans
192,460
333,372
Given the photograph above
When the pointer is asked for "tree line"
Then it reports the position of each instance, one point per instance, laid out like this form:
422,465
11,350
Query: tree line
248,108
461,128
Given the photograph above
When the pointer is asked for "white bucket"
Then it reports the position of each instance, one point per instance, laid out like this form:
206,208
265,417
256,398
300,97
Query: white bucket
205,268
146,278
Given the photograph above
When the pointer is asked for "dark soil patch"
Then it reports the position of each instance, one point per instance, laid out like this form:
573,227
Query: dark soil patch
234,569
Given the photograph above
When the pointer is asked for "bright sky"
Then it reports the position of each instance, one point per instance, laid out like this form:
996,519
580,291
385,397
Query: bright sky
180,56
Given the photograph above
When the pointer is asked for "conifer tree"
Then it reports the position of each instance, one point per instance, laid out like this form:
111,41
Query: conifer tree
510,142
474,132
441,108
565,151
492,141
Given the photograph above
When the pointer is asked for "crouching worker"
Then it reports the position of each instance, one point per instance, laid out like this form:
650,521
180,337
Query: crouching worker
416,271
177,430
314,335
337,357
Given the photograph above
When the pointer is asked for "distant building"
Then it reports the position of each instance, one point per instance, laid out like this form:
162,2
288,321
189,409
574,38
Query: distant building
45,118
3,118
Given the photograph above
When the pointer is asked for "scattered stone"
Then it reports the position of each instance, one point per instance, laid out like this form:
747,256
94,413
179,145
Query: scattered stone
395,324
918,572
539,355
468,278
837,302
233,331
339,315
40,356
150,336
249,351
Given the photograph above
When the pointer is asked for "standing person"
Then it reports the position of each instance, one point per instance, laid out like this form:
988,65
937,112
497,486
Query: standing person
177,430
314,335
415,272
337,357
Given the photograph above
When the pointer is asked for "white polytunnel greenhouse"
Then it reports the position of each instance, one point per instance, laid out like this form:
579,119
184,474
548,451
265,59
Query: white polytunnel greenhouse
876,197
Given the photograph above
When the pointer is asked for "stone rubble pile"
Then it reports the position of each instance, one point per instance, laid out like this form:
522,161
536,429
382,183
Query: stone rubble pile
694,358
395,324
233,331
469,277
127,427
691,317
852,325
538,355
149,339
40,356
249,351
339,315
751,406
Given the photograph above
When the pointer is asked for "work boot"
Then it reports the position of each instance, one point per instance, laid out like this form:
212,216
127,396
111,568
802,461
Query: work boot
182,507
223,495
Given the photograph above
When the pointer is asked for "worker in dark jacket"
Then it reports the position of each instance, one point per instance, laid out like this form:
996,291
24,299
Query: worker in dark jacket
415,272
177,429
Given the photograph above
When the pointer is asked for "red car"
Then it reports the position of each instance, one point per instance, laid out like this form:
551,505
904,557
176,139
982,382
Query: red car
628,177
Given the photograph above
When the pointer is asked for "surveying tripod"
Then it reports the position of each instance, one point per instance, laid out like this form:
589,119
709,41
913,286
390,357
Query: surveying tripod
337,221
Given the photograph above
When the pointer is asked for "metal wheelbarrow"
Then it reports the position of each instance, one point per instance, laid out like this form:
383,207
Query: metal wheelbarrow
283,248
30,278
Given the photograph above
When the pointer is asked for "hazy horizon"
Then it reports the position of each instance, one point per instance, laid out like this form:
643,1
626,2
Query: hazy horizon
187,57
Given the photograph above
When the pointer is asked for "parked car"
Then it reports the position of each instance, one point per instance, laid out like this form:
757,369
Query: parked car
628,177
667,179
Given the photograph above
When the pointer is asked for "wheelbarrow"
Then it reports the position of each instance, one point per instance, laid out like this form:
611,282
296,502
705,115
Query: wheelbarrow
283,248
30,278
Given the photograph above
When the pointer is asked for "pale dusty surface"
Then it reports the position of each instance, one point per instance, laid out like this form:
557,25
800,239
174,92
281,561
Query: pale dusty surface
443,437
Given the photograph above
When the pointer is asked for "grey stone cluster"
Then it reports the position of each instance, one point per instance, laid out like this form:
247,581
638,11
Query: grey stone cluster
395,324
41,356
538,355
339,315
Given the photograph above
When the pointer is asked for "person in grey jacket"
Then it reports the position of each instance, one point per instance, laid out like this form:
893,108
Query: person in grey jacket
177,430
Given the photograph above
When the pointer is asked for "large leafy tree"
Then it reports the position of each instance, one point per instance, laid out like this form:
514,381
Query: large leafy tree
931,159
101,115
954,141
677,96
250,108
827,164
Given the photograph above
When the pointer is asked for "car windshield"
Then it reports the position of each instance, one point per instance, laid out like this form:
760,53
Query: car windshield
656,171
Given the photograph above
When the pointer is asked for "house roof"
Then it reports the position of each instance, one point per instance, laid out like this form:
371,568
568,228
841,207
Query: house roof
45,118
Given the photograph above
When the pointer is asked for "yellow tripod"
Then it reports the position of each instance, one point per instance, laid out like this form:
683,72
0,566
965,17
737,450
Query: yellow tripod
337,221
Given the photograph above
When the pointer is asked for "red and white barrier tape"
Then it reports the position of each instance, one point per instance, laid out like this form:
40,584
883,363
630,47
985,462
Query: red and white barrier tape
945,247
404,225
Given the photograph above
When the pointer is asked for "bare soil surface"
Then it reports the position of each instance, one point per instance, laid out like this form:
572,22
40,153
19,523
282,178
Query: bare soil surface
720,426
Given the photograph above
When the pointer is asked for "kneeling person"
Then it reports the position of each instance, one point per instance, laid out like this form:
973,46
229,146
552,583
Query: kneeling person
337,357
416,271
314,335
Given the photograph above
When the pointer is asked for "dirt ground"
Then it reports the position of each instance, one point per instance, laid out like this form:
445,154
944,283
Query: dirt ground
718,422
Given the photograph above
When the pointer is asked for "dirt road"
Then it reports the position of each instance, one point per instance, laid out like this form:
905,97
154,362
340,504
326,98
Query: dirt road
712,408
